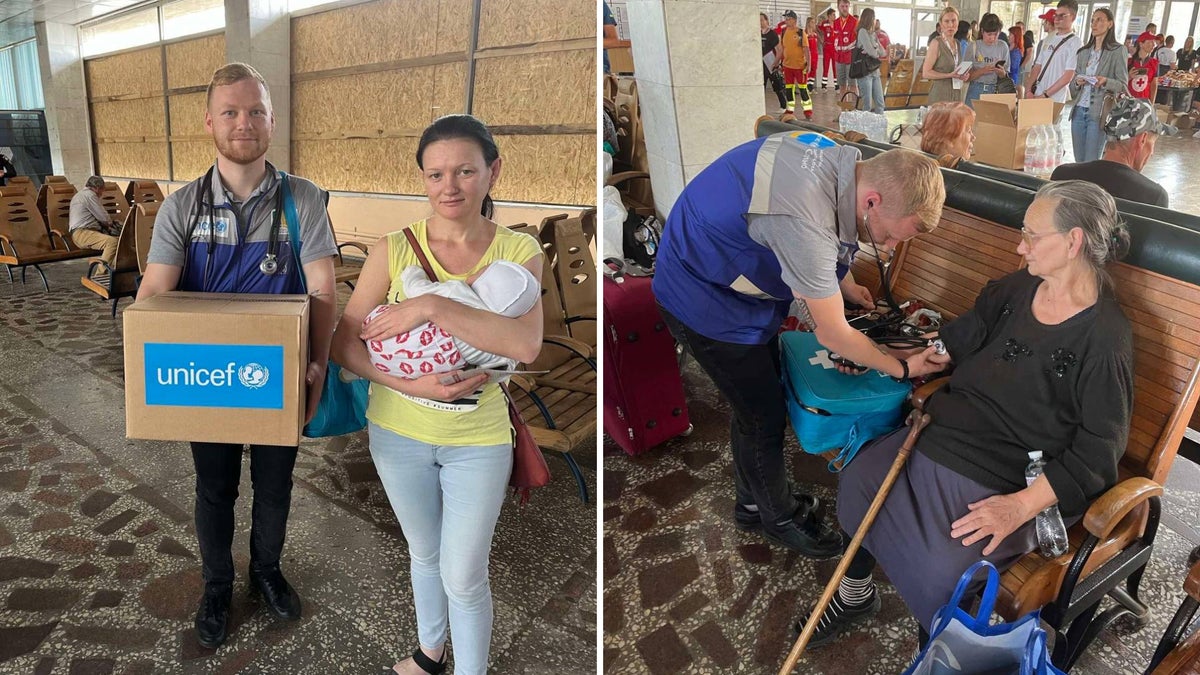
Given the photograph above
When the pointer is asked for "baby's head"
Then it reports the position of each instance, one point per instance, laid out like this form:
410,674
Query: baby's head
506,288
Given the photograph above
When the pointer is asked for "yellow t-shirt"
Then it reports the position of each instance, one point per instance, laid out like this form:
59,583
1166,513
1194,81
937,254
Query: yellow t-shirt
480,420
795,49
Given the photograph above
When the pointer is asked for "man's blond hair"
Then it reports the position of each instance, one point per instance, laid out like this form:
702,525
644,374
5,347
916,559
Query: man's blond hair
910,182
232,73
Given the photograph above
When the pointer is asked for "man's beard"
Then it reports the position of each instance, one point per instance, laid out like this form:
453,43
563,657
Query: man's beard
242,153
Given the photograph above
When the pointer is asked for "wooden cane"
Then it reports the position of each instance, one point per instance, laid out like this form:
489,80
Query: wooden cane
916,421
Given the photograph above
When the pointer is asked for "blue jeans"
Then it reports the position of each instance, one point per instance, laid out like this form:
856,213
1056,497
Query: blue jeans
1087,137
977,89
447,499
870,91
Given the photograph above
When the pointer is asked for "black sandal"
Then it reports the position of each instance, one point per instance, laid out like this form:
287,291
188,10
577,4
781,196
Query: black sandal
424,663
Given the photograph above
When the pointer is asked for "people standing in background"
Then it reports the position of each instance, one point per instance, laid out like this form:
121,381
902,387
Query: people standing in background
941,60
987,56
962,37
1151,31
770,45
1099,71
1143,70
1016,54
794,45
828,49
870,86
611,39
1166,56
810,29
1027,59
845,32
882,36
7,170
1185,59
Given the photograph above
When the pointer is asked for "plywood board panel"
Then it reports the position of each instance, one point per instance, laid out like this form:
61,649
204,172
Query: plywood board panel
187,114
142,117
192,158
375,32
191,63
521,22
384,165
137,72
556,88
548,169
454,25
390,100
132,160
450,90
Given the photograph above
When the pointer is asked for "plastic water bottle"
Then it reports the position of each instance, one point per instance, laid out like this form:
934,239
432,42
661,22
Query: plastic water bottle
1051,533
1048,148
1031,152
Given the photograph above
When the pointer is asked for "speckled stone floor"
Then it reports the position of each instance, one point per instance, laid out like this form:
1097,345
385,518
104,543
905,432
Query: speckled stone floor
99,568
1169,166
685,592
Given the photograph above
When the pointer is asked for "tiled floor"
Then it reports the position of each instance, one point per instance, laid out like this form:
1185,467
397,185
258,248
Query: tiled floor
99,569
685,592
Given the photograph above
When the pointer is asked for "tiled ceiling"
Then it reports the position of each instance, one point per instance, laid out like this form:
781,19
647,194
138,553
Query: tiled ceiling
18,16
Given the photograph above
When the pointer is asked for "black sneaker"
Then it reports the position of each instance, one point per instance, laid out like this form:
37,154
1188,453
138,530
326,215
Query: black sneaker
748,521
212,618
281,599
808,536
838,617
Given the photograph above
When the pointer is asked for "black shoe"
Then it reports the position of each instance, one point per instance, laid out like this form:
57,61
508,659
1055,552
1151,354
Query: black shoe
808,536
212,618
838,617
279,595
748,521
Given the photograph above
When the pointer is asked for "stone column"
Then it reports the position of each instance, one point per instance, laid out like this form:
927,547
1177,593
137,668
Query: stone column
66,100
700,88
258,32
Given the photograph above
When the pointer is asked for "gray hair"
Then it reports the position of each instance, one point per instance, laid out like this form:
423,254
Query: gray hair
1087,206
95,182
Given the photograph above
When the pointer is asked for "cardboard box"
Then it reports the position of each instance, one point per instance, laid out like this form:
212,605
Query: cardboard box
1002,126
216,367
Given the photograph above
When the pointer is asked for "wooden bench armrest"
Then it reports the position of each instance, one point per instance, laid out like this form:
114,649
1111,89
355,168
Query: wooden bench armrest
354,244
62,236
618,178
1106,512
570,344
922,393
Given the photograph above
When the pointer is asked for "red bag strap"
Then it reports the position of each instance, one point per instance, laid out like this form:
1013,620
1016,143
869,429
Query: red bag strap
417,248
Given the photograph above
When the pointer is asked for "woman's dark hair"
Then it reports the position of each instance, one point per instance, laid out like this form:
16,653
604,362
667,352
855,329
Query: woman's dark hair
990,23
451,127
1029,40
866,20
1110,38
964,29
764,17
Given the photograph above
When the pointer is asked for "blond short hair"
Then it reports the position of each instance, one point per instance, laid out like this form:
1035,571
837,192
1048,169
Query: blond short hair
949,9
911,182
232,73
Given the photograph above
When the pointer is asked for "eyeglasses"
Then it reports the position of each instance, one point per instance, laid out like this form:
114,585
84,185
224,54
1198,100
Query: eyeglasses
1031,238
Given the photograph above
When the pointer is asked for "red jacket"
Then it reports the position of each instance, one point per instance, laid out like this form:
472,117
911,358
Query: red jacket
826,28
845,32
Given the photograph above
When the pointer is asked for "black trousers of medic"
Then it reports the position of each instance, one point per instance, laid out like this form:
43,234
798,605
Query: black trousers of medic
218,471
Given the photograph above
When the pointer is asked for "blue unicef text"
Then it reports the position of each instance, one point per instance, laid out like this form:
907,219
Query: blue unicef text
214,376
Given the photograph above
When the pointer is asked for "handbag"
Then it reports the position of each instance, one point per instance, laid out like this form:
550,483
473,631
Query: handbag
862,64
1005,85
343,405
831,411
973,645
529,468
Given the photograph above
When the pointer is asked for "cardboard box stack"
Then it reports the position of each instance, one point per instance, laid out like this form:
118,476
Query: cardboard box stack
215,367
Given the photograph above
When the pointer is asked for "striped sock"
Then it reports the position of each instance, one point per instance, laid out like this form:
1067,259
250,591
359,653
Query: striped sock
856,592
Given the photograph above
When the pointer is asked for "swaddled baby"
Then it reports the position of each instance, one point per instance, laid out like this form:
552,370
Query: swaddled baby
503,287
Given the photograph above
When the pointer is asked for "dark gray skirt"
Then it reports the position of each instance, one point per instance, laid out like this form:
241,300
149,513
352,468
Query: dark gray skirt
911,535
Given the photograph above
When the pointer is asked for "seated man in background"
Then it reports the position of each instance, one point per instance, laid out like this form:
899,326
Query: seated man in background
90,225
1132,128
949,129
1044,363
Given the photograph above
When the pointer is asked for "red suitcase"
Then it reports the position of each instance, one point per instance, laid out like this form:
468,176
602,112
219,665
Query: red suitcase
643,391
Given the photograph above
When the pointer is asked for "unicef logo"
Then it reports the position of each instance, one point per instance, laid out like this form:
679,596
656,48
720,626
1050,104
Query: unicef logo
253,375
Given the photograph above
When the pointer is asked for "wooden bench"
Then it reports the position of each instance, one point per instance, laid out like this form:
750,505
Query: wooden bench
976,241
113,200
143,192
25,183
54,203
568,253
120,278
1172,657
25,241
560,405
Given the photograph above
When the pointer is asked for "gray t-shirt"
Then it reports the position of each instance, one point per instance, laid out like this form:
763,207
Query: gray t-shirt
809,237
985,56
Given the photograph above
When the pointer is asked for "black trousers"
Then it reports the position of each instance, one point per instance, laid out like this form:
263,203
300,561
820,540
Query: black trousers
218,471
748,377
776,83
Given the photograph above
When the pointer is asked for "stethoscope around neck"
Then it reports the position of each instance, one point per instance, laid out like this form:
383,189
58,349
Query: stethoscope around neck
270,262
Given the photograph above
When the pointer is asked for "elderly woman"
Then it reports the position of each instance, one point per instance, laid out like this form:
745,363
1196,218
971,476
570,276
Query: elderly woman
949,129
1044,362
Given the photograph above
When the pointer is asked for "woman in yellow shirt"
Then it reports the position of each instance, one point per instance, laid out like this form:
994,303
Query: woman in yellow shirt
444,452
